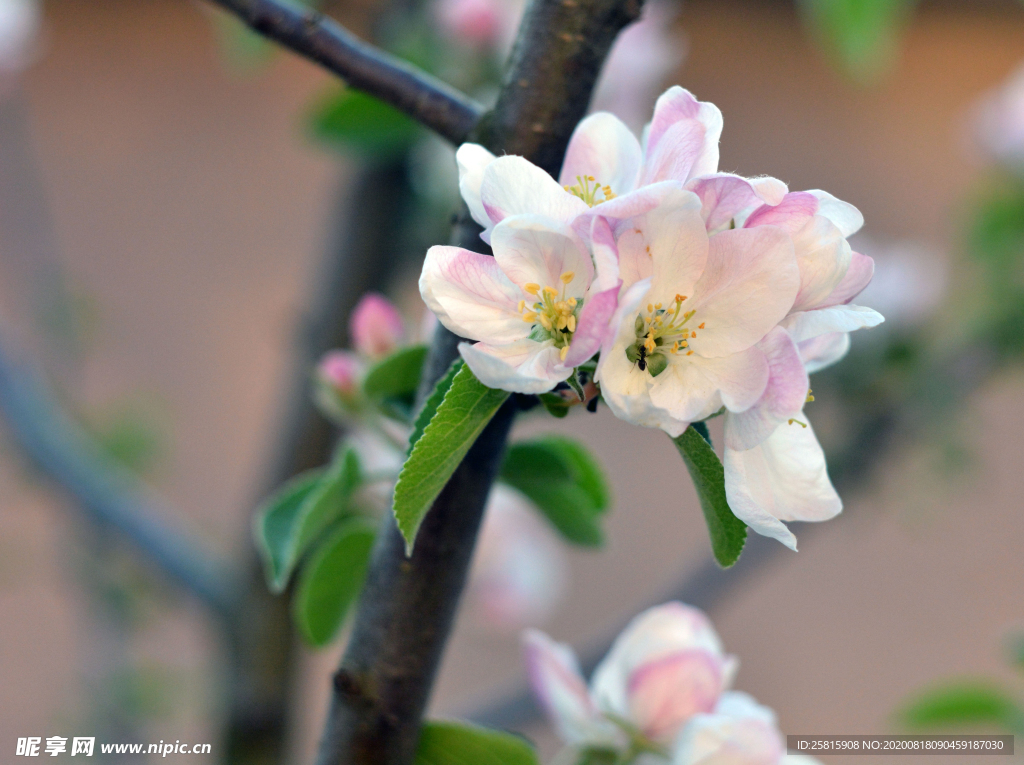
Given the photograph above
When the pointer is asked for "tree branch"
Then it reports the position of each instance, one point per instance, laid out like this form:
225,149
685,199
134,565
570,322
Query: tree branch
309,33
408,605
110,493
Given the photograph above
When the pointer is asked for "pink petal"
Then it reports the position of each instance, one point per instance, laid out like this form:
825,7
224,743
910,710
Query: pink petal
724,198
666,692
376,326
676,154
791,214
783,397
471,296
675,106
593,327
858,276
556,680
603,147
606,254
747,287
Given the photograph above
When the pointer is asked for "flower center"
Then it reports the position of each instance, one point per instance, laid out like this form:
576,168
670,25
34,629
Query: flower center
660,332
552,315
587,192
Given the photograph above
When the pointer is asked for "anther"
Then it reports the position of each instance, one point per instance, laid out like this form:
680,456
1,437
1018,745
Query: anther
532,288
567,277
563,353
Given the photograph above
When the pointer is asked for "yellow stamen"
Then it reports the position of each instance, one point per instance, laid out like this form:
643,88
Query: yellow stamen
532,288
801,424
522,305
680,298
701,325
550,291
650,308
567,277
545,321
563,353
572,302
689,353
572,328
529,316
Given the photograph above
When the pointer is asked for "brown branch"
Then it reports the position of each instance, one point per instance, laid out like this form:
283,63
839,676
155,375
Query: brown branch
436,105
407,608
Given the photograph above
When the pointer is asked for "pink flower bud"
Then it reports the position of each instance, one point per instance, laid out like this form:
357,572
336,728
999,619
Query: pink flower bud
376,326
341,371
473,22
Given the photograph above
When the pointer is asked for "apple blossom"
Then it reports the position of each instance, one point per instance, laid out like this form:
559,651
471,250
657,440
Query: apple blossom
341,371
666,667
19,27
376,326
604,160
684,339
519,567
999,121
537,308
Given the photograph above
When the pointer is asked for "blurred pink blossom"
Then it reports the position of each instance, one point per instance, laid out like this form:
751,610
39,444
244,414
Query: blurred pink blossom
519,571
479,23
19,28
340,370
999,122
376,326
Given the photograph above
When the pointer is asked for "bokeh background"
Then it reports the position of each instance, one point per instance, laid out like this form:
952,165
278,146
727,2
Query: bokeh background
166,185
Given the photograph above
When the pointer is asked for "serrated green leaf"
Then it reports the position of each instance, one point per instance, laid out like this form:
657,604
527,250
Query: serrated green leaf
452,743
391,383
564,481
429,408
330,582
861,35
728,533
353,120
964,703
274,521
464,412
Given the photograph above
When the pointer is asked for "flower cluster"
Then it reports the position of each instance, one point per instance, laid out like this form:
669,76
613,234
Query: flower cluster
683,292
660,695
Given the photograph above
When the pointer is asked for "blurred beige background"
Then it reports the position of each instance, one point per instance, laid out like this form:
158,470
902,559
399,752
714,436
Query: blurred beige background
191,211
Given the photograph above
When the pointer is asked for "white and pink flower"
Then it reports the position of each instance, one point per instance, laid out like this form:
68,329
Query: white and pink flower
537,309
665,668
376,326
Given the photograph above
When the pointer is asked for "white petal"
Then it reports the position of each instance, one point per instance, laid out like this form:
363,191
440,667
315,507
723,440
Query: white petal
782,479
739,732
603,147
525,366
847,217
471,296
606,255
536,249
858,276
783,396
555,676
824,256
748,286
824,350
692,387
514,186
840,318
473,159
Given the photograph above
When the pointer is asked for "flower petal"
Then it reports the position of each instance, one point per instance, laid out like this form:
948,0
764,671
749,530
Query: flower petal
824,350
725,197
666,692
472,160
747,287
791,214
525,366
536,249
677,105
606,254
514,186
739,732
556,680
692,387
858,276
376,326
839,318
471,296
675,156
782,479
783,397
593,326
844,215
603,147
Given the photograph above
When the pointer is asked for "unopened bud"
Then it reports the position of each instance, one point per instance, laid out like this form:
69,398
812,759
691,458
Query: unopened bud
376,326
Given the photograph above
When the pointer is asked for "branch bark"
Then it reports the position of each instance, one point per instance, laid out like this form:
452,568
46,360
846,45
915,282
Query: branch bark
408,605
312,35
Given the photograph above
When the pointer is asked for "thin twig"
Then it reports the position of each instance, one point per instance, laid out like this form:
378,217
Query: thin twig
309,33
110,493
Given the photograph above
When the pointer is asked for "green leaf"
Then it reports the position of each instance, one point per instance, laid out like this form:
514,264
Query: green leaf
391,383
728,533
964,703
466,409
331,581
429,408
861,35
275,520
555,404
358,122
302,515
565,482
452,743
